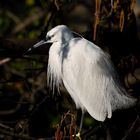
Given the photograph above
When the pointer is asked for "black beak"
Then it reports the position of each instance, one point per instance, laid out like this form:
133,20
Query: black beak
37,45
44,41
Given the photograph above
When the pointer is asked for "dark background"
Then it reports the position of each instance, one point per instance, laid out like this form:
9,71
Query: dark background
28,109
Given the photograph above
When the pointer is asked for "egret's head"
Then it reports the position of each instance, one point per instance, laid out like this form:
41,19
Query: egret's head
60,33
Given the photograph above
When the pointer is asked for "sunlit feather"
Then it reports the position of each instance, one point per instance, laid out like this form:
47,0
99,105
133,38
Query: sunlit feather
87,73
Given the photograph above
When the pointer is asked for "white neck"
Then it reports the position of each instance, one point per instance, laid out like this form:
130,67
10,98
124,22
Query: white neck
56,54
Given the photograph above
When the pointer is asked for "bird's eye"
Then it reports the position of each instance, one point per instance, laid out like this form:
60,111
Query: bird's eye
52,36
47,38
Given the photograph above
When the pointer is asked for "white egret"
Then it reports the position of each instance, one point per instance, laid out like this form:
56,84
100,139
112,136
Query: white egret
87,73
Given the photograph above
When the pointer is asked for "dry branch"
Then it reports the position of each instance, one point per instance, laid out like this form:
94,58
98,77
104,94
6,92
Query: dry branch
28,21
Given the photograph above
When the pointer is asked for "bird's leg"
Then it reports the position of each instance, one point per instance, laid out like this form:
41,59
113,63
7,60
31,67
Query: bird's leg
81,124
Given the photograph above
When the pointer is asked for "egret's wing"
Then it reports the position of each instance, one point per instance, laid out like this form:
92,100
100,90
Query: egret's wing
86,75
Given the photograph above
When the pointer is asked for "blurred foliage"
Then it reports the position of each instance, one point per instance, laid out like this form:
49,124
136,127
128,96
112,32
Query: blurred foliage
27,105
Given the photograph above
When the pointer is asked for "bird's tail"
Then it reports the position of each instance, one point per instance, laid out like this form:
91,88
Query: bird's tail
121,99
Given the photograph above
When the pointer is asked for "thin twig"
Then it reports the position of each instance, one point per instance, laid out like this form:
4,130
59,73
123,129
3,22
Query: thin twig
3,61
129,132
23,137
28,21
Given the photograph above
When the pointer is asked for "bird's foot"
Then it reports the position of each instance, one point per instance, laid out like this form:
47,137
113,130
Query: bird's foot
78,135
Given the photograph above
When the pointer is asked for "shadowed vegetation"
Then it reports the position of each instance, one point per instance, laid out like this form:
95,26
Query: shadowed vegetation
28,109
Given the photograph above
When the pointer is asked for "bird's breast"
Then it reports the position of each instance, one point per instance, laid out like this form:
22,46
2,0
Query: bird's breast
55,65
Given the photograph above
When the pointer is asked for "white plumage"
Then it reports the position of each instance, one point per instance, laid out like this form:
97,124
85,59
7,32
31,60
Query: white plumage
87,73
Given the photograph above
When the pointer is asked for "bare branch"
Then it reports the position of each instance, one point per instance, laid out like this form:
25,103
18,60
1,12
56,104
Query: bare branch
28,21
3,61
